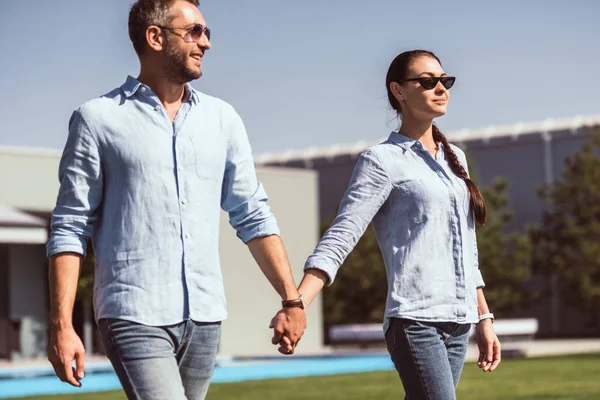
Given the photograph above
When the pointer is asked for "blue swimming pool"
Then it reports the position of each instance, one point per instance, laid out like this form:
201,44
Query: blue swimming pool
41,381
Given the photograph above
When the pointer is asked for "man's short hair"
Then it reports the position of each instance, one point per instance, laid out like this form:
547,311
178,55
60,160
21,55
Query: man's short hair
144,13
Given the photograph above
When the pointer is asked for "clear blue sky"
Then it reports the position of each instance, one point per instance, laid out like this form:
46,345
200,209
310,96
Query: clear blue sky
309,73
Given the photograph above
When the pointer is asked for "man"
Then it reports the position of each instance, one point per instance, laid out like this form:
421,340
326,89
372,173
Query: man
143,174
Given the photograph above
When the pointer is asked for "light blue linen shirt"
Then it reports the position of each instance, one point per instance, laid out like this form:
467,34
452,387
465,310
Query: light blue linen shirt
424,225
148,193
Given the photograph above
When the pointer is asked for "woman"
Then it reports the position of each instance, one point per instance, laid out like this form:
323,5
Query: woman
416,191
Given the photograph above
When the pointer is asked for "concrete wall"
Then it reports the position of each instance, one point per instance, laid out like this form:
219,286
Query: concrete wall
252,302
522,162
28,294
29,178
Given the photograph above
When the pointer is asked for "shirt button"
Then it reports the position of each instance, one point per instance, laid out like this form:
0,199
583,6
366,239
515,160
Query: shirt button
187,235
184,201
143,89
157,108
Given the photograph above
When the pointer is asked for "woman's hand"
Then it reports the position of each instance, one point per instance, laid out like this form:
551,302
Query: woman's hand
489,346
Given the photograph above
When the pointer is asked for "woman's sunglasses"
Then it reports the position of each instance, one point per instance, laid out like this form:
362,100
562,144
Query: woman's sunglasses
429,82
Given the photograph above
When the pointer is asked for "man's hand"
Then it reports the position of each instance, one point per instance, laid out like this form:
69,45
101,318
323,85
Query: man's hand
64,347
288,327
489,346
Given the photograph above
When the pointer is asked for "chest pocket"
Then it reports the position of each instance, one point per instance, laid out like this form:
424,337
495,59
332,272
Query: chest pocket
207,158
411,200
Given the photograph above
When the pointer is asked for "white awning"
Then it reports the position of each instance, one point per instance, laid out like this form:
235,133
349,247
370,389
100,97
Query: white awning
21,228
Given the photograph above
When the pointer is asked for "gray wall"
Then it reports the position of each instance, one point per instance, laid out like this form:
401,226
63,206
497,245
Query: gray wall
252,302
29,179
522,162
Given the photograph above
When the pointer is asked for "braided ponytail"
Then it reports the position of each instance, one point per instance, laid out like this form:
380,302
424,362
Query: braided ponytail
476,199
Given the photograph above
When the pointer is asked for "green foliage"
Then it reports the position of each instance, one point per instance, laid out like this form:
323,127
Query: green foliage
567,242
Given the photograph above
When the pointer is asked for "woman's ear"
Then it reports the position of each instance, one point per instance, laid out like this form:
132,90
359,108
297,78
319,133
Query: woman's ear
397,90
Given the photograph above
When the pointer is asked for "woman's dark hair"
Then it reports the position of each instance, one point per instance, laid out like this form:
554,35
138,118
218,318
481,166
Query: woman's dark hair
398,73
144,13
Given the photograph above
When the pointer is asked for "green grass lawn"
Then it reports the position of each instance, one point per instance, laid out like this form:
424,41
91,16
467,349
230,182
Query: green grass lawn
573,377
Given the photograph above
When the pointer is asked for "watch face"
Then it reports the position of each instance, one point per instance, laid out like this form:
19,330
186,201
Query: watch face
293,303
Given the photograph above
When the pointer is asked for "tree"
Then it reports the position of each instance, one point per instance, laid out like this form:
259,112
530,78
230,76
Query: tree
567,242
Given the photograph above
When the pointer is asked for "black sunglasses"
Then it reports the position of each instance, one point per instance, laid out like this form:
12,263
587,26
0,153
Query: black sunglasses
429,82
192,34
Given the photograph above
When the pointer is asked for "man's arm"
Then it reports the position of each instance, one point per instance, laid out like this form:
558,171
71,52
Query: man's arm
272,259
73,218
64,345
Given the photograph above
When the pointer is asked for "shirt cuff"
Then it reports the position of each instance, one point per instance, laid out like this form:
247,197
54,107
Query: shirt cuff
266,228
479,279
323,264
66,244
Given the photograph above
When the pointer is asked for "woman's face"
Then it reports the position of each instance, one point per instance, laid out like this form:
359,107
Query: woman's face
418,99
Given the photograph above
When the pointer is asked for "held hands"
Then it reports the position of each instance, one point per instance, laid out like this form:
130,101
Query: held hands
288,327
488,344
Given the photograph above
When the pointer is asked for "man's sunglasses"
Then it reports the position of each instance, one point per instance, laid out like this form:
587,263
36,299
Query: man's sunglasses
192,34
429,82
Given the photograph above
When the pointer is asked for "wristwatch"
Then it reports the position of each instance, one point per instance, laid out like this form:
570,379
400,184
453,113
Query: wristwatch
299,302
486,316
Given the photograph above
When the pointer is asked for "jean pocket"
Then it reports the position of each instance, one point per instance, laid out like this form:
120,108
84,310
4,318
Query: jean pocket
390,336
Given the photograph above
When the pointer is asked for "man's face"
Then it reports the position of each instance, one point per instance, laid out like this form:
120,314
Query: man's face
182,55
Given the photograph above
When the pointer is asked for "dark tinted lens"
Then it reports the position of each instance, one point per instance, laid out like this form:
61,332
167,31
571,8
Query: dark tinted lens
448,81
427,82
196,32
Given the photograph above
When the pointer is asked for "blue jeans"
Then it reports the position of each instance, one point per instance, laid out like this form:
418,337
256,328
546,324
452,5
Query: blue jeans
162,362
429,356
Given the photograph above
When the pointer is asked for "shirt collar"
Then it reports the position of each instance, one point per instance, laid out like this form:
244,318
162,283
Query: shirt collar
132,85
192,93
403,141
406,143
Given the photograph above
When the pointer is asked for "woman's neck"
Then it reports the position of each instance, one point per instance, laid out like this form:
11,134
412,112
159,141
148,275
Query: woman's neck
421,131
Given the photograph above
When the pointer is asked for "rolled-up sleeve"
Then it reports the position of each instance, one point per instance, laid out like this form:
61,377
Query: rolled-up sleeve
479,282
477,273
80,191
369,188
243,197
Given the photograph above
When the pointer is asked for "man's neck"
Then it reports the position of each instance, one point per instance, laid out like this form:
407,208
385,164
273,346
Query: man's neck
169,93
